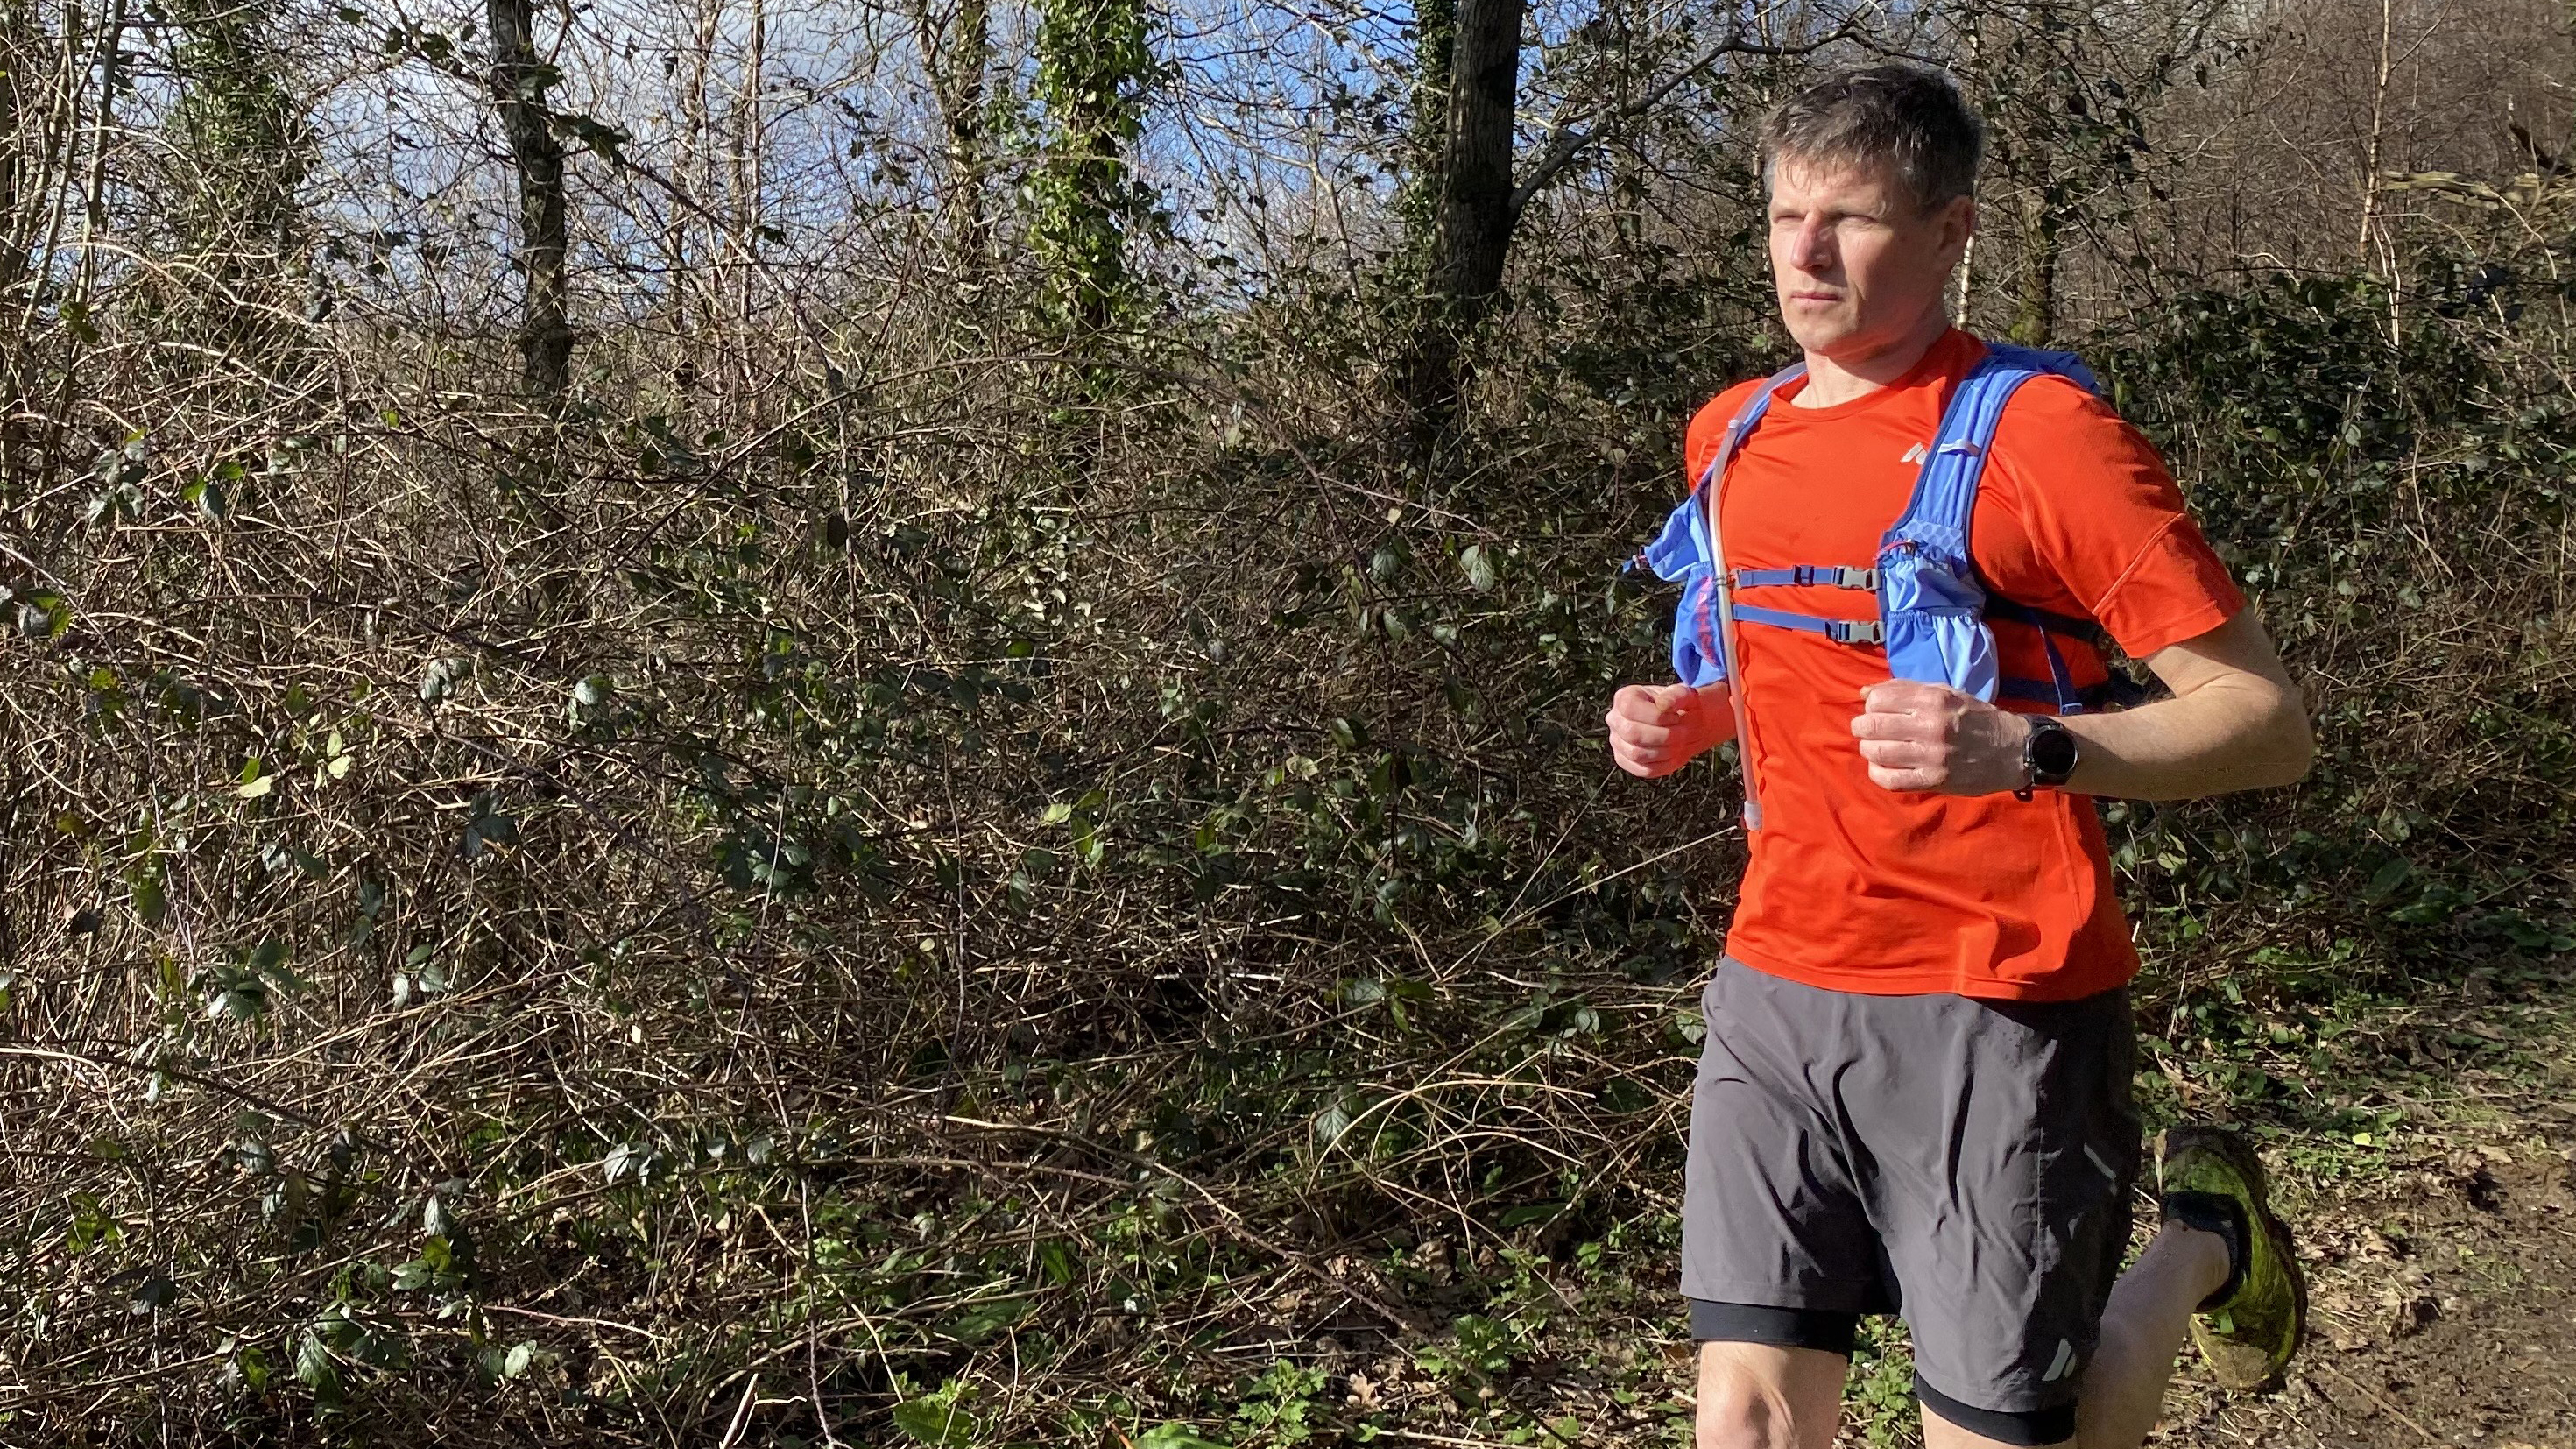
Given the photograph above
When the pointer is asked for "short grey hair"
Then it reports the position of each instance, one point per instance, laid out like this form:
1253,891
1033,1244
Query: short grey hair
1907,119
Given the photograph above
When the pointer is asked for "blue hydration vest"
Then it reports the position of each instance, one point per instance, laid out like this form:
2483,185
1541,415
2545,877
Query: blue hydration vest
1932,610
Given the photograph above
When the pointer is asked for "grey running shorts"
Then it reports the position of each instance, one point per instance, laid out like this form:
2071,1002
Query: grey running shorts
1965,1163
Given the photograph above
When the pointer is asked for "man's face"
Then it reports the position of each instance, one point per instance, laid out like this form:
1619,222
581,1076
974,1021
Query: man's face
1859,267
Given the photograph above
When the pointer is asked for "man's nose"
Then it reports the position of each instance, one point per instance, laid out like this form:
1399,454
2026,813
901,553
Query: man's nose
1811,248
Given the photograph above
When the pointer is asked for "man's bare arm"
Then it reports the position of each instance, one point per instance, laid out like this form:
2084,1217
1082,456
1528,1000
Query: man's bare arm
2235,722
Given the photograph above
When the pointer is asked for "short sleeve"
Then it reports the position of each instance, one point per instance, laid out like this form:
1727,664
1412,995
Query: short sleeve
2103,517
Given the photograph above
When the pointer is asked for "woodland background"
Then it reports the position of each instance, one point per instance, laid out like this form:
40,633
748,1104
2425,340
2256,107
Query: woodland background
878,722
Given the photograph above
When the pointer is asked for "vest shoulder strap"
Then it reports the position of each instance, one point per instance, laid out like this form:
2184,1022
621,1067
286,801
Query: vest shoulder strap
1746,419
1937,517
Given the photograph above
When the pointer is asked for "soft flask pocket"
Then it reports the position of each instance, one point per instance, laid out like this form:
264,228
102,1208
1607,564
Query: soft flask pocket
1677,555
1936,632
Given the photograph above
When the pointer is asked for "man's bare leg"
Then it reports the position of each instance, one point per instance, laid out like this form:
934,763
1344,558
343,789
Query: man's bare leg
2142,1330
1754,1396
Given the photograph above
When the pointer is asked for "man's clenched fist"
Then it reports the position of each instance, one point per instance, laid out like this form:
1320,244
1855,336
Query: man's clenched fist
1931,737
1656,729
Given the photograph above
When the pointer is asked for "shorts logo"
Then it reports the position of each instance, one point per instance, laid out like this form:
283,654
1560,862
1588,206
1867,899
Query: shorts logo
1914,454
2064,1364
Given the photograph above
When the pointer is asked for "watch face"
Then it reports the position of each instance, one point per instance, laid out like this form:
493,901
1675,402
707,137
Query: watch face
2052,751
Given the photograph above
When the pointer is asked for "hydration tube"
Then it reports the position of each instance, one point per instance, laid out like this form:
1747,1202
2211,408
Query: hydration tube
1734,671
1711,484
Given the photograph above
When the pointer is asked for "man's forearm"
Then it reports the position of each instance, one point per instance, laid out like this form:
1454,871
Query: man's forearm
2238,733
1720,704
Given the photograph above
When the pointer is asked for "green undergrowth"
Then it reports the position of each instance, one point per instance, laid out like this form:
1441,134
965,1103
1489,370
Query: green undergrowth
935,921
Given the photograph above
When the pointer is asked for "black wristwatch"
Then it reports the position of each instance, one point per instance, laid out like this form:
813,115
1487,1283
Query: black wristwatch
2047,755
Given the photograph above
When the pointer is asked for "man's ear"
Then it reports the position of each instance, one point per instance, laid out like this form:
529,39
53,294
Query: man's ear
1959,223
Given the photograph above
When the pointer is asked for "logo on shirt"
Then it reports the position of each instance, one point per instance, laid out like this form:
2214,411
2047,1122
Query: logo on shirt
1914,454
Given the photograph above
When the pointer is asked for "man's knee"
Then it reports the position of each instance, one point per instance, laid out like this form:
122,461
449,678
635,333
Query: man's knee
1743,1407
1743,1416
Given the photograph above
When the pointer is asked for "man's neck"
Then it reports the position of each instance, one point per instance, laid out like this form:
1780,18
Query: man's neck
1834,381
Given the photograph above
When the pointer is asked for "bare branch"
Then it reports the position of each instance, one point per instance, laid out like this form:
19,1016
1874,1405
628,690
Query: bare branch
1565,144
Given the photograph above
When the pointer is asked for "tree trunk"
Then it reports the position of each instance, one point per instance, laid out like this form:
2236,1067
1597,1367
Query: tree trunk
1092,59
959,50
17,54
745,187
21,173
2035,310
1476,183
519,81
1473,216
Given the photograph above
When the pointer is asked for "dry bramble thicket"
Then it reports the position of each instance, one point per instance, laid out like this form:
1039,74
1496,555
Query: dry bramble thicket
872,723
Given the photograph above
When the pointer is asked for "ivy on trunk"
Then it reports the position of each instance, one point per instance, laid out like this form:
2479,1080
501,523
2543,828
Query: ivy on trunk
519,83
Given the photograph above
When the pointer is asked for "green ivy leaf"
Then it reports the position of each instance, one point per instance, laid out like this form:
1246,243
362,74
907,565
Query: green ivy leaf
936,1419
1333,1122
315,1370
2389,877
1479,567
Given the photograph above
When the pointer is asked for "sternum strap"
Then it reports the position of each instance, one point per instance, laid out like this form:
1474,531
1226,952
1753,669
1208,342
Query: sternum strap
1841,631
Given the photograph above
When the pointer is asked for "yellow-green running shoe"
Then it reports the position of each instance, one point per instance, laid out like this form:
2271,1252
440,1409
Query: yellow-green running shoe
2248,1329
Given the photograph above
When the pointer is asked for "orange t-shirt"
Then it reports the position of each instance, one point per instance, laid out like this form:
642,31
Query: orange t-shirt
1856,888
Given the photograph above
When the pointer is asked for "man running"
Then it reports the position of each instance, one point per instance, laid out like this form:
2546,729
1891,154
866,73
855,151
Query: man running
1915,1091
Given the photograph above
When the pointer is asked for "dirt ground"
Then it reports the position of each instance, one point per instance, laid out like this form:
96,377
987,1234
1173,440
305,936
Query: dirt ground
2443,1307
2443,1276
